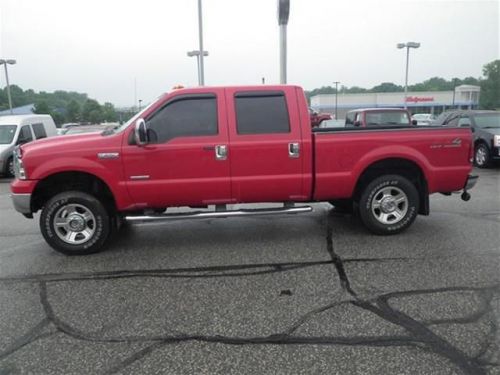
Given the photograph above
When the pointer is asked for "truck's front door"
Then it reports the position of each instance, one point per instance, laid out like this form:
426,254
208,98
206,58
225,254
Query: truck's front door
265,145
185,161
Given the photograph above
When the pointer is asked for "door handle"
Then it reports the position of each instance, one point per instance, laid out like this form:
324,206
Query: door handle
293,150
220,152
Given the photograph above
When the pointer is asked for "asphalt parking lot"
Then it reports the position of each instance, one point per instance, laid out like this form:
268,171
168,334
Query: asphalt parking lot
305,294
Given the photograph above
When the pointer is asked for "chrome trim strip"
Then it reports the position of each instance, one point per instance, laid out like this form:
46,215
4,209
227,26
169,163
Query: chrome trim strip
142,177
218,214
22,202
108,155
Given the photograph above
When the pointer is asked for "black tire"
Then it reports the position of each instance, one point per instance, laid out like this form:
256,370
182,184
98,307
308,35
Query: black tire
482,156
386,193
99,224
9,167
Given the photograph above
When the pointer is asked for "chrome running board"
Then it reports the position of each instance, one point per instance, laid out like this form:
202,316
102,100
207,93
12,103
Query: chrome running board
217,214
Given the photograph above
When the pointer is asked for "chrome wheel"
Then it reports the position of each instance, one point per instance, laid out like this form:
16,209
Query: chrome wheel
481,156
74,224
389,205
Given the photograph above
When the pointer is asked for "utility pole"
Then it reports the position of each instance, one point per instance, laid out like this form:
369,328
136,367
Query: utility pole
407,46
283,14
4,62
336,97
202,54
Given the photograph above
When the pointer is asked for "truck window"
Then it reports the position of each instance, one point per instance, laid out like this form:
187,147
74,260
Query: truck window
261,113
25,134
184,117
39,131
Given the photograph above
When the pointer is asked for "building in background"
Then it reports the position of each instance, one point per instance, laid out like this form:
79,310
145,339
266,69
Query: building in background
435,102
23,110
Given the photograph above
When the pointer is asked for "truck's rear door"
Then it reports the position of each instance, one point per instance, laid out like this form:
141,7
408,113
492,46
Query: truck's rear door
265,144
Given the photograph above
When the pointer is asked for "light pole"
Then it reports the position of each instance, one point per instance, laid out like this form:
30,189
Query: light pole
336,96
283,14
4,62
197,54
202,53
407,46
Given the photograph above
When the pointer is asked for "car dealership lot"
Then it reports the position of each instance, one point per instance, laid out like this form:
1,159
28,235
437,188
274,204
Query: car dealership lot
314,293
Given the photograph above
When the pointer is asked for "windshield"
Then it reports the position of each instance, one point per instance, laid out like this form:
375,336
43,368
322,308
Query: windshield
387,118
487,120
136,116
7,134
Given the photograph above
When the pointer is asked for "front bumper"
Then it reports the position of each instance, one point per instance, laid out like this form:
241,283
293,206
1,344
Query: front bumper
471,182
22,203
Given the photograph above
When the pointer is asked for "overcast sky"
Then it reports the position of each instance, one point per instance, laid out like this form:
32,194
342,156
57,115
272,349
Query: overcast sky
99,47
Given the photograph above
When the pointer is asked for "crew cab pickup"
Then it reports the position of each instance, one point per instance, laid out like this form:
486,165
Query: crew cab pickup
365,117
213,146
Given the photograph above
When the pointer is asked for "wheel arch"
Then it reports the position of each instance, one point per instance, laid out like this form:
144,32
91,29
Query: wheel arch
72,180
399,166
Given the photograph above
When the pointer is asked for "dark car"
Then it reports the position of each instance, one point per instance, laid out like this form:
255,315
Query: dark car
486,128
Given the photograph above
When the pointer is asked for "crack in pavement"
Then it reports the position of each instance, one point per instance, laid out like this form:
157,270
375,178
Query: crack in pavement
419,331
419,335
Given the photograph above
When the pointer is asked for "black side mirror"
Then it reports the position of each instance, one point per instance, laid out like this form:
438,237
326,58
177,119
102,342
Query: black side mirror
140,133
357,123
414,122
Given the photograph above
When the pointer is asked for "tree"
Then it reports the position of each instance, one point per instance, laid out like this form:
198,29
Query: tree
109,112
92,112
41,107
387,87
490,86
73,111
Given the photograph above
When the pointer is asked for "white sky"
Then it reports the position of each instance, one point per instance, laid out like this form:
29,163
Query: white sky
100,47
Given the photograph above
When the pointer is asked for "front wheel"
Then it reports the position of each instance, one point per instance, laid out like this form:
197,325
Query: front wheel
482,156
389,204
75,223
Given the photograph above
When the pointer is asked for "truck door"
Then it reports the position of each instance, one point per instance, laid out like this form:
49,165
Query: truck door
185,161
265,145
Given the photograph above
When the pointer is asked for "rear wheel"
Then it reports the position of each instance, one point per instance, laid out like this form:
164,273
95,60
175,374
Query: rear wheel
482,156
75,223
389,204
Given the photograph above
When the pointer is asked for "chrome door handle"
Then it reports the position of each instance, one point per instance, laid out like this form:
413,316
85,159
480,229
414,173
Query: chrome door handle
221,152
293,150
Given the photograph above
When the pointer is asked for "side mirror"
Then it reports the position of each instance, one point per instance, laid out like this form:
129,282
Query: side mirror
140,133
357,123
22,141
414,122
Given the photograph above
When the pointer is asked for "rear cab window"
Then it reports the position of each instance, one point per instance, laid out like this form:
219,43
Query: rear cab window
261,113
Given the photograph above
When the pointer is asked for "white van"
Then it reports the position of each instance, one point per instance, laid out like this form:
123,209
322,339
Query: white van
16,130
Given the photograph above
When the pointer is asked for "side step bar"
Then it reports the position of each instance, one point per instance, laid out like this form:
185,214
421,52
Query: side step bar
218,214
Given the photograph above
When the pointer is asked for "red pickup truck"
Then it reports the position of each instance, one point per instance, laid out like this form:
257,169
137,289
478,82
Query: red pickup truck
213,146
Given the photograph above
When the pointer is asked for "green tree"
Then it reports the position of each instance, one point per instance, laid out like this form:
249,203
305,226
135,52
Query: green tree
92,112
73,111
490,86
109,112
41,107
387,87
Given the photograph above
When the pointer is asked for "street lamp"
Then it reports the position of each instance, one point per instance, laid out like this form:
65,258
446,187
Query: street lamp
407,46
4,62
336,96
283,14
201,65
198,55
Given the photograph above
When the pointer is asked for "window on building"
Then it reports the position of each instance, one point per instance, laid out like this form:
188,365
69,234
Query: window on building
261,113
184,117
39,131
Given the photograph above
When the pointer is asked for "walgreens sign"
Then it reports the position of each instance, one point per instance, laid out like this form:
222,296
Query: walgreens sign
418,99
